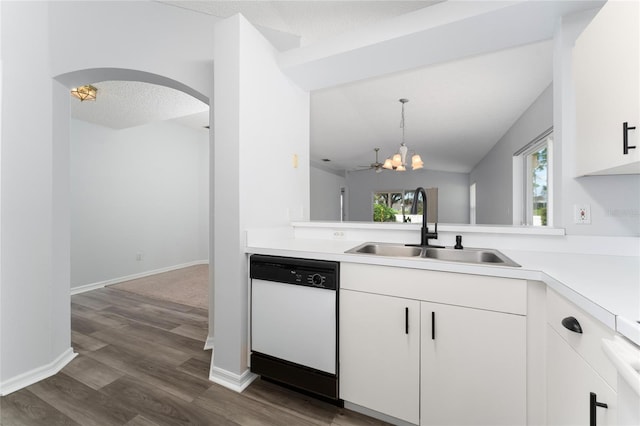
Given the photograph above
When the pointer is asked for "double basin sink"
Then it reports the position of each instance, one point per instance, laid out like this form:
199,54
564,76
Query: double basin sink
476,256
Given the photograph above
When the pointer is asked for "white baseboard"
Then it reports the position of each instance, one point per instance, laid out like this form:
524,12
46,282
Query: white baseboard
101,284
209,343
30,377
231,380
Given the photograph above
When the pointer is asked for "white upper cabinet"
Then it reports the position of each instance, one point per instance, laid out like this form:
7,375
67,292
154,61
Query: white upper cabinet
606,69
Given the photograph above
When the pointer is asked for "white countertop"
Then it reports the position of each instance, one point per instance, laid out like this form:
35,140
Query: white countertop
607,287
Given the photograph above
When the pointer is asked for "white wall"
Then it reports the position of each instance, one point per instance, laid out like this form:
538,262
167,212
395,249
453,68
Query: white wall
493,175
261,119
35,274
614,200
144,40
453,191
139,35
325,186
30,336
136,190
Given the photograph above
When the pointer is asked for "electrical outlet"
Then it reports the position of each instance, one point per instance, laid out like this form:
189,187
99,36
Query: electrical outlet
582,214
338,235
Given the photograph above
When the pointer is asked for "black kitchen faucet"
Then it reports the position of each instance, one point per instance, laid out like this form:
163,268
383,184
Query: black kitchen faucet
425,235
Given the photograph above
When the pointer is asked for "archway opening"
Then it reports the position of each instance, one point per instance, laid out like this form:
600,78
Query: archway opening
142,185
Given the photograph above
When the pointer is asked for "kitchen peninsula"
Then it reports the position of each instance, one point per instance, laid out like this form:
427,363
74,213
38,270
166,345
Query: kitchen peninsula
598,275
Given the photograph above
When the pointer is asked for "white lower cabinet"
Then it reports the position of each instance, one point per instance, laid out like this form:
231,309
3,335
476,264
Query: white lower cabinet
380,353
577,367
469,368
570,383
473,366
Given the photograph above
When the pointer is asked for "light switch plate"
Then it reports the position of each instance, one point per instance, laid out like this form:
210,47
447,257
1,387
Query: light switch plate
582,214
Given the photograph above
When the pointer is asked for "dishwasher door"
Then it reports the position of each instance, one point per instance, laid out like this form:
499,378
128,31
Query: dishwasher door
294,323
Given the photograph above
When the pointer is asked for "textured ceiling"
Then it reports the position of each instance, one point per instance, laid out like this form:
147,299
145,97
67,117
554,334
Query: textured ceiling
311,20
122,104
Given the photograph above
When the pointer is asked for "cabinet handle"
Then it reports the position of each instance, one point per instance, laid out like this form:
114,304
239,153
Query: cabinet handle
433,325
572,324
593,404
406,320
625,138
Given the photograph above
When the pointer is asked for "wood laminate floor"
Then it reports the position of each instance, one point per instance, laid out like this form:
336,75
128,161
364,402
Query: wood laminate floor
141,363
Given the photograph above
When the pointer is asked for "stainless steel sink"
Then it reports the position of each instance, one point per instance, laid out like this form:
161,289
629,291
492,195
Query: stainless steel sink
385,249
467,255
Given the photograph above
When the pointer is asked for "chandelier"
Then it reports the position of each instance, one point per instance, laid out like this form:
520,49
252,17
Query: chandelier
398,161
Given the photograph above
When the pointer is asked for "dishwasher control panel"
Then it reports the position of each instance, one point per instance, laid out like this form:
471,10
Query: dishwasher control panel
306,272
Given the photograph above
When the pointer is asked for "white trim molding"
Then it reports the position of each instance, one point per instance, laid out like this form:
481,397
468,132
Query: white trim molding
40,373
209,343
101,284
235,382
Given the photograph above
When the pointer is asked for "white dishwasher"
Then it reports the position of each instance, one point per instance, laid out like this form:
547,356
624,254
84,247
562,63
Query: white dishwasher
294,322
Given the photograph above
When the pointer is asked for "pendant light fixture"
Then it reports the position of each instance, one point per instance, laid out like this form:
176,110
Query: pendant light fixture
85,93
398,161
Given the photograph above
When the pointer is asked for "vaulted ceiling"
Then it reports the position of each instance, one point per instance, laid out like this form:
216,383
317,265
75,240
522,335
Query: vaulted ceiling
456,110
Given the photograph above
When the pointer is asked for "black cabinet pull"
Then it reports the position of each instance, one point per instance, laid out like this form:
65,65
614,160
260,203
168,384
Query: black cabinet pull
593,404
572,324
433,325
625,138
406,320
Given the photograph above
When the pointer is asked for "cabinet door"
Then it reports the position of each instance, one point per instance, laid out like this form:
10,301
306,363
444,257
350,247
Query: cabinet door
379,353
473,366
570,381
606,72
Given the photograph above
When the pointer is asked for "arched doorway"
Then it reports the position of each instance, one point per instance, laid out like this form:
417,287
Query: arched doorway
81,77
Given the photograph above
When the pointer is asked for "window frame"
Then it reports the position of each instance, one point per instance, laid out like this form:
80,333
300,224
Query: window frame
523,182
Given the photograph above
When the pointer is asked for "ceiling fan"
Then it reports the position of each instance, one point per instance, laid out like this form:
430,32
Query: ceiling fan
377,166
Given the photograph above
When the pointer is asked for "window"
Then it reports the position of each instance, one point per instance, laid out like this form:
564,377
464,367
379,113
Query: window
537,186
395,206
532,174
387,206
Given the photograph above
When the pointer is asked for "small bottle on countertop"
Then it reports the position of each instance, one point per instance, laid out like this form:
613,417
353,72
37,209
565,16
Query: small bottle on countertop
458,245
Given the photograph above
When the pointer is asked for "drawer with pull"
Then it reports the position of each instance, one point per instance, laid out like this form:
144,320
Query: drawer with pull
582,332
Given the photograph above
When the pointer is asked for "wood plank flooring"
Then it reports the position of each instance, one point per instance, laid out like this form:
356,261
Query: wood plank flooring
141,363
